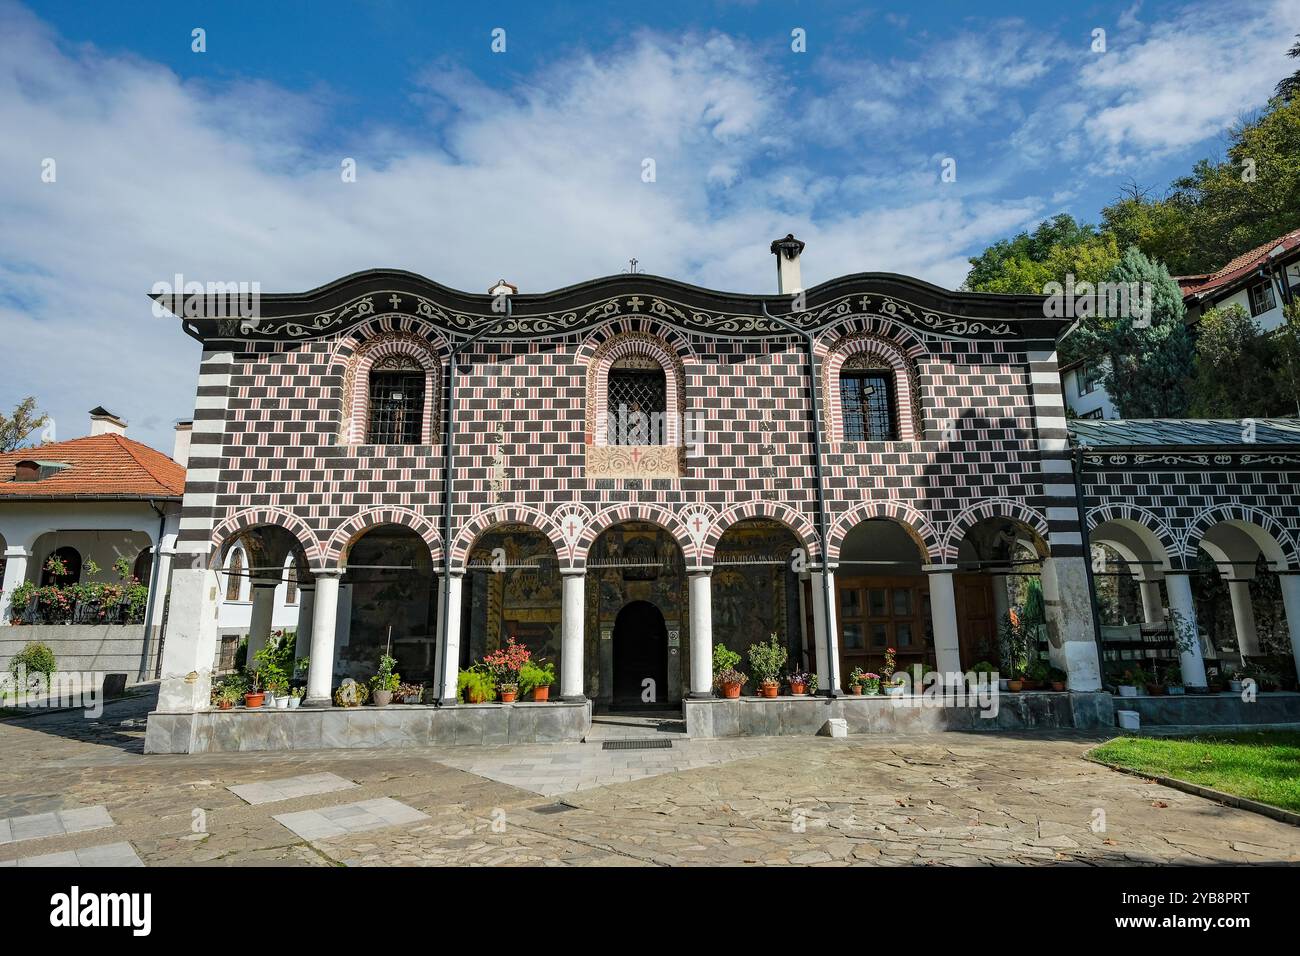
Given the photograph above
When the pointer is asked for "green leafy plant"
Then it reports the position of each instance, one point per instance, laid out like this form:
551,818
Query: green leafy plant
36,657
767,660
475,681
270,672
536,674
387,679
724,659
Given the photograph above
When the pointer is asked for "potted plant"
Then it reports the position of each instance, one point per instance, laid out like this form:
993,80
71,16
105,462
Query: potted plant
893,684
798,681
350,694
1056,678
230,692
385,683
856,678
475,685
295,697
1036,675
767,660
1173,679
536,677
504,664
408,693
870,684
727,676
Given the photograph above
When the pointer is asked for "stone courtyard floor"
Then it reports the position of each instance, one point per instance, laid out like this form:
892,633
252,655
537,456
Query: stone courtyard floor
74,790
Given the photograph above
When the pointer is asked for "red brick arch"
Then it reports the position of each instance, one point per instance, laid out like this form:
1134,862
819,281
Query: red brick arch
241,523
485,521
917,526
794,520
635,511
357,525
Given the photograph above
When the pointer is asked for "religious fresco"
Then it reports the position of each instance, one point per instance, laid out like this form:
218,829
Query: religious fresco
755,592
520,598
634,561
391,583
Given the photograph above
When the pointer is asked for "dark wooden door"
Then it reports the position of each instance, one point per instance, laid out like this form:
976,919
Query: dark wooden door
977,626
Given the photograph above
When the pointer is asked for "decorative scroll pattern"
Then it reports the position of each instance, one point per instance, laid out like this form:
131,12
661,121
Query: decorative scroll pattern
635,461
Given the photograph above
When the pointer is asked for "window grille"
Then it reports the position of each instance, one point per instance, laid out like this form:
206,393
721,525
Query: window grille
867,402
396,408
634,392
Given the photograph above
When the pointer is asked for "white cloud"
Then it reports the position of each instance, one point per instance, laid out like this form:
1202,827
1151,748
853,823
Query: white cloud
540,184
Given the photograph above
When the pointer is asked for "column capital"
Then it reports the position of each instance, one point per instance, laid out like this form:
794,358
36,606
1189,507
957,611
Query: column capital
573,572
939,568
697,571
318,573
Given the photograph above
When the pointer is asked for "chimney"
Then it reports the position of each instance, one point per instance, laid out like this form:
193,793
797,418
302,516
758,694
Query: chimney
104,422
181,446
787,252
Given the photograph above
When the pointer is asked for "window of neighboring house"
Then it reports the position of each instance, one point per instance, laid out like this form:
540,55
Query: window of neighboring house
1095,413
1261,298
396,405
291,584
637,402
235,575
143,566
867,405
1089,378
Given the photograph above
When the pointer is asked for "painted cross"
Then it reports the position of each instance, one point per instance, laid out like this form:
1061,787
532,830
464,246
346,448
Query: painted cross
395,300
698,521
636,455
635,303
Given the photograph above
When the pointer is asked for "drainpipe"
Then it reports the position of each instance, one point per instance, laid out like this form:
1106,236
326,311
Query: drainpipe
1087,558
154,583
832,665
449,466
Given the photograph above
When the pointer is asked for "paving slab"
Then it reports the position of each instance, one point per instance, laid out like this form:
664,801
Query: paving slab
110,854
290,788
350,818
53,824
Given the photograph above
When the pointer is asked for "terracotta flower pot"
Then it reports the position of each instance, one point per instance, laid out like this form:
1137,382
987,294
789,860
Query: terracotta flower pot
769,690
254,700
731,690
508,696
1015,686
542,693
1058,685
855,689
225,704
474,697
798,689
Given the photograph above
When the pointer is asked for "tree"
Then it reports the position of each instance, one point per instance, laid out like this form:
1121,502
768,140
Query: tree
25,420
1150,360
1161,228
1234,359
1288,88
1286,340
1027,262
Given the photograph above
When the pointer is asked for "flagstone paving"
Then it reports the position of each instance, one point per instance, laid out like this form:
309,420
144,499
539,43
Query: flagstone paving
946,800
303,785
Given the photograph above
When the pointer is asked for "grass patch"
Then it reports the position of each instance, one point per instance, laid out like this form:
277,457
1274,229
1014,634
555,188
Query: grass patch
1261,765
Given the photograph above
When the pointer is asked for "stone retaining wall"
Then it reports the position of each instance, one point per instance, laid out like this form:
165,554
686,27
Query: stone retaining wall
763,717
398,725
111,648
1214,710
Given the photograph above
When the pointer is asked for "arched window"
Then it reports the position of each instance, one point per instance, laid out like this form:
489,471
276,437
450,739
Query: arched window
867,404
235,574
637,402
396,408
291,583
70,573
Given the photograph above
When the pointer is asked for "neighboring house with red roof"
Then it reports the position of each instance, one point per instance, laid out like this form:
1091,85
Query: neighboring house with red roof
1261,280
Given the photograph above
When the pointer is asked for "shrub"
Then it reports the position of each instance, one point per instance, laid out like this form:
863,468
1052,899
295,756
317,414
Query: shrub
724,659
767,660
536,674
477,679
387,678
36,657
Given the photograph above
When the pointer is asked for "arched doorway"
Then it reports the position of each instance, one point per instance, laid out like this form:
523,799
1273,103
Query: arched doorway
640,656
391,605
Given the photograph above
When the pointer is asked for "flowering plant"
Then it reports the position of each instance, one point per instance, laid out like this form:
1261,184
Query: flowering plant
505,663
797,677
729,676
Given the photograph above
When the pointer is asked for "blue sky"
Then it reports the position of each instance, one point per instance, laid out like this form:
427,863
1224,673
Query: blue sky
527,164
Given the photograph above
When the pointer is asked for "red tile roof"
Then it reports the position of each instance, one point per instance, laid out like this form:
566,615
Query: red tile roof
1244,264
100,466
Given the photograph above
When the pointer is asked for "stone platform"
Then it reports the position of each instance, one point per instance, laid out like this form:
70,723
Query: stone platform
781,716
1214,710
353,728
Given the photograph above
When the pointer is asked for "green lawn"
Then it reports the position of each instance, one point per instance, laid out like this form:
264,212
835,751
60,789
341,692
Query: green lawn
1258,765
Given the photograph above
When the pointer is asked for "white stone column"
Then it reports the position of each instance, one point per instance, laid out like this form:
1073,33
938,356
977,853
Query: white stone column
320,672
573,600
259,619
16,559
826,633
1071,641
1153,608
1243,618
306,616
701,596
447,663
1191,661
161,581
191,641
1290,583
943,616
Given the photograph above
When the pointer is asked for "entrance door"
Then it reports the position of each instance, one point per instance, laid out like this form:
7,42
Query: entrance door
640,653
